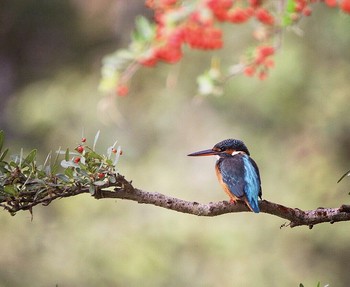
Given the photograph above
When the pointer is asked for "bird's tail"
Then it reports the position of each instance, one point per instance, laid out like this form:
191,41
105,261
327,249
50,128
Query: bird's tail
252,204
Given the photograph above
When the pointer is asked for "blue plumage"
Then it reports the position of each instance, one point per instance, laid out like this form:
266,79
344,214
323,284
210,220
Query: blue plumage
252,188
237,172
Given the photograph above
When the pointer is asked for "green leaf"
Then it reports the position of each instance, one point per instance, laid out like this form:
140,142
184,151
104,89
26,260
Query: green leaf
123,56
93,155
4,168
96,139
117,155
14,163
10,189
290,9
20,157
47,158
82,170
69,172
39,192
30,157
291,4
110,149
68,163
2,139
92,189
2,156
112,179
48,170
145,31
66,156
205,84
55,164
344,175
63,177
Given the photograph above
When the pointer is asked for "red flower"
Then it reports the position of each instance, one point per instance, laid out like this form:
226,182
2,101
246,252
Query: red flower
345,6
148,62
331,3
203,37
264,16
300,5
114,150
255,3
263,75
239,15
307,11
76,159
249,71
219,4
269,63
220,8
122,90
265,51
169,54
176,38
80,149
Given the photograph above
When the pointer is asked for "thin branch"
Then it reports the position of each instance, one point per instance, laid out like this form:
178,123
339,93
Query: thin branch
123,189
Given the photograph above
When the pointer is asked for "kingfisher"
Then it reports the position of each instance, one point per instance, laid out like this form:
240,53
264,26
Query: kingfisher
237,172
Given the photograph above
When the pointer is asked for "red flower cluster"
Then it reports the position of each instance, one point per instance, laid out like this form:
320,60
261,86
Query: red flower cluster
223,11
264,16
197,30
198,33
239,15
343,4
302,7
195,25
200,37
261,63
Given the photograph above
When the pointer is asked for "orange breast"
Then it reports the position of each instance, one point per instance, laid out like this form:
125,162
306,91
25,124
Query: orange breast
224,185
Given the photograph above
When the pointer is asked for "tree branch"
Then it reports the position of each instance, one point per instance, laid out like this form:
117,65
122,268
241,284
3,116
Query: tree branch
123,189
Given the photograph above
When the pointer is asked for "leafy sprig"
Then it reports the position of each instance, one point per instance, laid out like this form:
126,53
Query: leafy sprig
24,183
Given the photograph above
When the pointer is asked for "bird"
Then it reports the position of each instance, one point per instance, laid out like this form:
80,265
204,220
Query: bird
236,171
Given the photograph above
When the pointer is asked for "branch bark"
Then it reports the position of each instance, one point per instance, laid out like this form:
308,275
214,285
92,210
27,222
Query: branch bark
123,189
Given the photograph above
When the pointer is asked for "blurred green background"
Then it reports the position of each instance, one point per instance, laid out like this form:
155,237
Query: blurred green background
296,125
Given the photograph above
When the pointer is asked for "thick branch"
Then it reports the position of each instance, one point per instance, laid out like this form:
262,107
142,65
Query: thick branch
296,216
122,189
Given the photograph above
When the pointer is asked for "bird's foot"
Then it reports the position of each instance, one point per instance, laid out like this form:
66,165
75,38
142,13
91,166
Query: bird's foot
233,201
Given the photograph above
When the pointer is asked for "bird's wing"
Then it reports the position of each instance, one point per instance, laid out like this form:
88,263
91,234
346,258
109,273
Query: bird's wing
257,173
252,179
232,171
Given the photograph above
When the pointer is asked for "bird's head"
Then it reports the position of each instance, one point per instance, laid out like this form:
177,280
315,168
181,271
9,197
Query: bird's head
223,148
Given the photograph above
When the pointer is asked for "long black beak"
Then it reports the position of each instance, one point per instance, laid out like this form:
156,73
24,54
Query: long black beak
206,152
